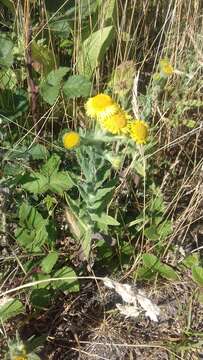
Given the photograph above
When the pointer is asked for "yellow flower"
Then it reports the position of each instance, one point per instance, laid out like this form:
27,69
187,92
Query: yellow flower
139,131
71,140
166,68
115,123
19,357
100,106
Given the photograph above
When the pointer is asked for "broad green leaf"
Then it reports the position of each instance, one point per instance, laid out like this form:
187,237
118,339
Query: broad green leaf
40,298
151,261
35,183
50,87
151,233
8,79
197,274
49,93
93,50
49,261
60,181
38,152
60,27
33,356
39,277
101,193
70,283
10,307
165,229
51,166
76,86
55,77
167,272
6,50
105,219
144,273
32,233
191,260
43,56
9,5
157,204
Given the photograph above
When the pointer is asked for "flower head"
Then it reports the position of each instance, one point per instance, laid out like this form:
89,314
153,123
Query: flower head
100,106
166,68
71,140
139,131
115,123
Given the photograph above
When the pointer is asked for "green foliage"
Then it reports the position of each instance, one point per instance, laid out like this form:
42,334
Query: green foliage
93,50
33,230
197,274
76,86
6,50
10,307
51,85
70,282
13,104
49,261
152,266
48,179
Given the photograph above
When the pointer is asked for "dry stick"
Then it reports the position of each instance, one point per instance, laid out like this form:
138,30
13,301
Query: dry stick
33,89
34,283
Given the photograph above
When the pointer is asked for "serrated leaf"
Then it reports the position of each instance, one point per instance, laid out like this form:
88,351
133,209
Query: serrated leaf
38,152
8,79
50,87
10,307
49,93
167,272
70,283
60,181
35,184
49,261
93,50
76,86
197,274
51,166
6,50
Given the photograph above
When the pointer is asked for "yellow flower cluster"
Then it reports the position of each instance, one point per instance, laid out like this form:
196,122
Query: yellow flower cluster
115,120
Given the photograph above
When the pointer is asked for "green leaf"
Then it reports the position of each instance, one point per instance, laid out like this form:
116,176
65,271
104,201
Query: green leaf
70,285
8,79
104,219
151,261
49,93
167,272
197,274
50,87
76,86
44,56
6,50
39,277
191,260
40,298
38,152
10,307
151,233
122,78
35,184
55,77
49,261
144,273
165,229
93,50
52,165
60,181
32,233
